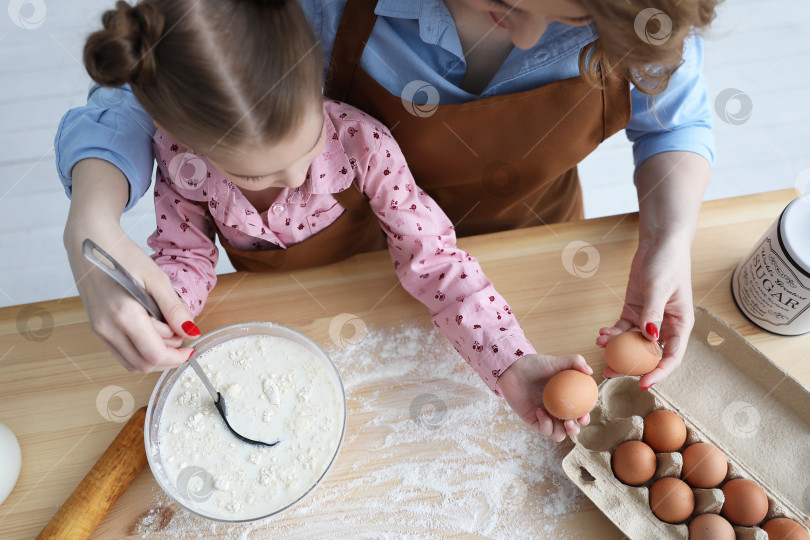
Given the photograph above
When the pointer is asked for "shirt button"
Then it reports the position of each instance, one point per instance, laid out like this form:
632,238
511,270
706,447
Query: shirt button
277,208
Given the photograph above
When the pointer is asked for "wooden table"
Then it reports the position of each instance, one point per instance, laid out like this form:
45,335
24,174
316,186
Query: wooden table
52,370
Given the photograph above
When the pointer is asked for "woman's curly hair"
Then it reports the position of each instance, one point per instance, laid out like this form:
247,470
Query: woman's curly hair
642,40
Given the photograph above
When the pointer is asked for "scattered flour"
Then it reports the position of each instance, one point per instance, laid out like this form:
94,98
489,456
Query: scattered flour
429,452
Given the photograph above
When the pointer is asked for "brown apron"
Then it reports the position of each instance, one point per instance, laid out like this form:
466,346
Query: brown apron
356,230
495,163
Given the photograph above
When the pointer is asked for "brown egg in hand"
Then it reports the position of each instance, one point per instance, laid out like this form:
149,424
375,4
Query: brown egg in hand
704,465
711,527
630,353
633,462
671,500
785,529
664,431
746,503
570,394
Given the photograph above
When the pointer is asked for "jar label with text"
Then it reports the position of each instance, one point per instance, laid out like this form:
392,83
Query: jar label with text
767,289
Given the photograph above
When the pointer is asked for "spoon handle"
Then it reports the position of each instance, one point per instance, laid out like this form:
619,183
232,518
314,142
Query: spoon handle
203,377
110,266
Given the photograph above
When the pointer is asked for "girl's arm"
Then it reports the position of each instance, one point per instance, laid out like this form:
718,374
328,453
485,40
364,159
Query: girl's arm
463,303
659,293
184,243
137,341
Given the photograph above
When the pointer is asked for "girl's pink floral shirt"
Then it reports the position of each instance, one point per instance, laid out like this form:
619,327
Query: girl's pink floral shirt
193,199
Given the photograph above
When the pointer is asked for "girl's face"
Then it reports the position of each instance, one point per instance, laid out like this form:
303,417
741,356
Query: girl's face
527,20
283,164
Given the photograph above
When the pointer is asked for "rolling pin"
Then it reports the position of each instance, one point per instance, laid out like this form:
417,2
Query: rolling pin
102,486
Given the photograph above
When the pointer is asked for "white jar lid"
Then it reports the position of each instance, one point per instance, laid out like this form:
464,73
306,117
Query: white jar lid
794,230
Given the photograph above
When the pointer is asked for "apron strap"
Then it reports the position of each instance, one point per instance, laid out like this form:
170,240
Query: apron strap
353,32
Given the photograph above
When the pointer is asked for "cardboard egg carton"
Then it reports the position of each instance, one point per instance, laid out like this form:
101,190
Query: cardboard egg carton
730,395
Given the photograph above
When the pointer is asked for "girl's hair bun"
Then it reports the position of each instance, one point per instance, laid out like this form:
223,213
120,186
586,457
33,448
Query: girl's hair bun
124,51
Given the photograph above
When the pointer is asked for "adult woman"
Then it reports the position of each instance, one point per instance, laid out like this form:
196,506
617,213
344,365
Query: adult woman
520,90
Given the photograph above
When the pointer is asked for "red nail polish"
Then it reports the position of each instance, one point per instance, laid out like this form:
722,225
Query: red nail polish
647,387
191,329
652,330
190,355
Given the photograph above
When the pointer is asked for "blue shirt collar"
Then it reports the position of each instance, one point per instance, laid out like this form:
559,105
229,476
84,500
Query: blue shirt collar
436,25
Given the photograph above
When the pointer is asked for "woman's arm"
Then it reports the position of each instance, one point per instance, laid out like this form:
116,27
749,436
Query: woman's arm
673,148
659,293
138,342
111,127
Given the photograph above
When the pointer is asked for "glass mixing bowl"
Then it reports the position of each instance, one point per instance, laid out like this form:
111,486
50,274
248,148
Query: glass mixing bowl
169,378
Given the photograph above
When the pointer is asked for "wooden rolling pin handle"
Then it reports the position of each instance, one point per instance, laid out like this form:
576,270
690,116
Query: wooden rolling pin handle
107,480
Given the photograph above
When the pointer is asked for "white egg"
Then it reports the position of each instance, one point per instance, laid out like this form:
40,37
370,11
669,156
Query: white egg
11,458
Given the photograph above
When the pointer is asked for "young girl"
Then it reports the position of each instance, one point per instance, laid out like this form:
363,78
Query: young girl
248,150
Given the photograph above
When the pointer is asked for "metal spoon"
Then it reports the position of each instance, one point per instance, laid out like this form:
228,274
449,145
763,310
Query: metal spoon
110,266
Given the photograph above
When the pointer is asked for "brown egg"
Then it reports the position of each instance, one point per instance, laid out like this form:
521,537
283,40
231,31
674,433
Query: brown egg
633,463
785,529
671,500
631,353
710,527
746,504
664,431
704,465
570,394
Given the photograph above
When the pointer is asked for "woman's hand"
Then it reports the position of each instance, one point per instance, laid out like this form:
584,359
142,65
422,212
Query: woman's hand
659,292
659,303
522,385
138,342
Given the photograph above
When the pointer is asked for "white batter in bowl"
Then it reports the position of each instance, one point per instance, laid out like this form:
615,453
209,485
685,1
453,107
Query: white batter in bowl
278,385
